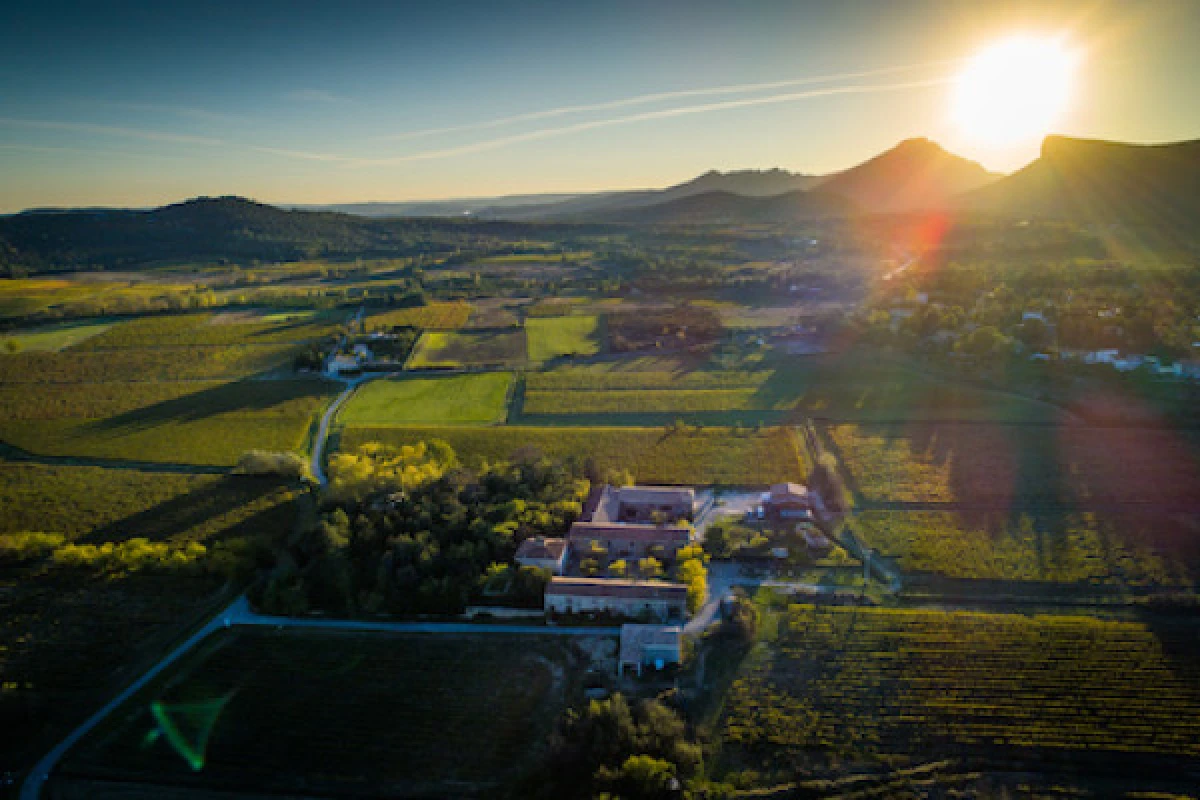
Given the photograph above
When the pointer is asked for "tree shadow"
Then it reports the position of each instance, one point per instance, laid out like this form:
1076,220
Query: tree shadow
244,396
200,508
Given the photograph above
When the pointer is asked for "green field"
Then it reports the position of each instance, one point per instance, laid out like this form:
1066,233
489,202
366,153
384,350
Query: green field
434,315
51,338
382,714
551,337
1014,466
854,682
1134,550
451,349
652,455
458,399
186,423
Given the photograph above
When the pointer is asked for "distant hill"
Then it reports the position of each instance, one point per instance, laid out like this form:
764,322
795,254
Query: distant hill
230,228
751,183
438,208
914,175
722,207
1097,182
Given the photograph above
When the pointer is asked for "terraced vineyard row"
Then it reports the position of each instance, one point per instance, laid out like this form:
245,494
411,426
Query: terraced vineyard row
857,681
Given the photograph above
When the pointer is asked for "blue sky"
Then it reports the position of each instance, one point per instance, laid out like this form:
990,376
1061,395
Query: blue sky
144,103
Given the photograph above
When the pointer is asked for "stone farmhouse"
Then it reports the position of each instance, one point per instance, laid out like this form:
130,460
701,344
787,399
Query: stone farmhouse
643,504
641,599
615,540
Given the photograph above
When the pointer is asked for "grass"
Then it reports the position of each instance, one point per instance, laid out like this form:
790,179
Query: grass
203,424
434,315
459,399
451,349
551,337
51,338
443,715
652,455
916,682
1140,550
1012,466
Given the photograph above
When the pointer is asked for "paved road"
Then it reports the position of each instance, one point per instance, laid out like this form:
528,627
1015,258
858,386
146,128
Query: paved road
318,454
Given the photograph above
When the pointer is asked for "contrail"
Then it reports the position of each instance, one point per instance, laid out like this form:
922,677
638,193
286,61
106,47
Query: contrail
547,133
658,97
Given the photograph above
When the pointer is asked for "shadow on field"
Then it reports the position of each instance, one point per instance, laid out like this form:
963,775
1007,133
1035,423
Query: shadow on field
203,508
245,396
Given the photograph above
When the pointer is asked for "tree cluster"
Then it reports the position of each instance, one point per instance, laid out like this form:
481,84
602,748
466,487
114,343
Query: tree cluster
409,532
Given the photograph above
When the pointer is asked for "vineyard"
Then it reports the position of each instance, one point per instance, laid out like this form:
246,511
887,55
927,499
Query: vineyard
434,315
217,329
452,349
66,633
1132,550
652,455
188,423
416,711
1004,465
846,682
144,364
550,337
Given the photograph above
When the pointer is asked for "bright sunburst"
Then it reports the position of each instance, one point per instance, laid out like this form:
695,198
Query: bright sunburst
1014,90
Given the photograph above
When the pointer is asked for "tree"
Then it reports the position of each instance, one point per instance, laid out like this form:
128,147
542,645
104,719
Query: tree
650,567
641,777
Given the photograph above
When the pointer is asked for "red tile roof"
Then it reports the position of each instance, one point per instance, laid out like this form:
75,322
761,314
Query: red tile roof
664,534
609,587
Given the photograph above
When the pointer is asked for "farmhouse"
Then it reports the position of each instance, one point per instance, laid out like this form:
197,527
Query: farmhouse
653,599
640,504
543,552
616,540
654,646
340,363
787,502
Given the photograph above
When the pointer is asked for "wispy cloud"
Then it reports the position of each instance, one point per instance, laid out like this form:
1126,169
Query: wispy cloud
679,111
110,130
660,97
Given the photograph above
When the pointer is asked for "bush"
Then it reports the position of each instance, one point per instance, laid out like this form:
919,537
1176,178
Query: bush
263,462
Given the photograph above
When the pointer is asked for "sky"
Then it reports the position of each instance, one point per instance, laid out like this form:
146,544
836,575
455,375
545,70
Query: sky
140,104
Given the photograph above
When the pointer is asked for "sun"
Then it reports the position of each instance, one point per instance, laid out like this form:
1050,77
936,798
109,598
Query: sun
1013,91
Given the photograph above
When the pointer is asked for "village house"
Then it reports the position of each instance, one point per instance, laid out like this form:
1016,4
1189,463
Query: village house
656,646
787,503
638,599
543,552
640,504
340,363
628,541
